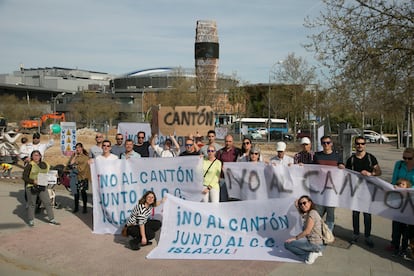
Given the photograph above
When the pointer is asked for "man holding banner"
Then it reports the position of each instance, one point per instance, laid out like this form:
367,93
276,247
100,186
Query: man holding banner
365,163
330,158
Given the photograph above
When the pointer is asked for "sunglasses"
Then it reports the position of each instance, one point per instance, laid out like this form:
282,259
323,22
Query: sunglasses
326,142
359,144
188,145
106,146
141,137
255,153
303,203
246,143
119,138
407,158
210,150
99,137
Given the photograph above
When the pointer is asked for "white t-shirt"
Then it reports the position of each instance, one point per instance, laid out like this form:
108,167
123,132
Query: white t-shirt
110,157
286,160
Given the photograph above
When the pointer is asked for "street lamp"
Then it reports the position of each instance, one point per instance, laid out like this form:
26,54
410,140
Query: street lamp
142,105
269,123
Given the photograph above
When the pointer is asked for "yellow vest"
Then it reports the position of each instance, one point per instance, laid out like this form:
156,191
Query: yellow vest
36,170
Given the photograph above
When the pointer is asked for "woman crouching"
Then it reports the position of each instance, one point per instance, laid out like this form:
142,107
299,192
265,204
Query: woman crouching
308,244
139,226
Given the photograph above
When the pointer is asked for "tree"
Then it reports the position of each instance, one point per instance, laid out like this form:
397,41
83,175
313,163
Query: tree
14,109
296,75
368,45
103,109
182,92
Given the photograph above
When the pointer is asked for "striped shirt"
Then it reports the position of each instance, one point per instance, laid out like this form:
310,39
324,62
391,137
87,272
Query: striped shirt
139,215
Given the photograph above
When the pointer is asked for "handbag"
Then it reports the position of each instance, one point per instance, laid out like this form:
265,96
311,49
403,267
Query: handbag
35,189
124,231
327,235
83,185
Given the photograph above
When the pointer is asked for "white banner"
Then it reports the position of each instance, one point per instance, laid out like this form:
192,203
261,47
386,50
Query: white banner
243,230
119,184
326,185
130,130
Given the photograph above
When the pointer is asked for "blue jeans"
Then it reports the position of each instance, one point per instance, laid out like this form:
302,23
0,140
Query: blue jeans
303,247
330,215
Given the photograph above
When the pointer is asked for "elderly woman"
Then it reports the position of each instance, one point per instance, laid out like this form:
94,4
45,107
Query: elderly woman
254,154
308,243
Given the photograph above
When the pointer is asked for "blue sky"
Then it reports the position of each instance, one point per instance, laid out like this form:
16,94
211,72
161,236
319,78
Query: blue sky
127,35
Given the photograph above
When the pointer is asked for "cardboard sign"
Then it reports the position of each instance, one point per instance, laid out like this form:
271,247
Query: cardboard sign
185,120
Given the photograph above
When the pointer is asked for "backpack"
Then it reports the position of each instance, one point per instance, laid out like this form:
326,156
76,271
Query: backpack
327,235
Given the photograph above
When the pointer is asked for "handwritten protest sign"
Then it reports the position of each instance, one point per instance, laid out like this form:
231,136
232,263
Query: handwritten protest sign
326,185
185,120
249,230
119,184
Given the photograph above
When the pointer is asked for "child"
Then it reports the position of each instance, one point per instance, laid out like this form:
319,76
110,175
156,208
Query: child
7,168
399,229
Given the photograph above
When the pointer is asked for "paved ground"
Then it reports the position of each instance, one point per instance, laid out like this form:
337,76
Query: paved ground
71,249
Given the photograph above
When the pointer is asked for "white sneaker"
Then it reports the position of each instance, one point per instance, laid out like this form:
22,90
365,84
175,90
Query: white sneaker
312,257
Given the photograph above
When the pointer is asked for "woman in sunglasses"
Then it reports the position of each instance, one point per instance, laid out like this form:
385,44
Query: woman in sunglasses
403,169
307,244
254,155
212,171
244,155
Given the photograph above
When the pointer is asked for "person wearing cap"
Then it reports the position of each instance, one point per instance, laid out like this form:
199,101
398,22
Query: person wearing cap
254,154
281,158
305,156
27,150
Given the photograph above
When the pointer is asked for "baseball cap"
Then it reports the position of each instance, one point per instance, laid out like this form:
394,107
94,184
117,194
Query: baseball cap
280,146
305,140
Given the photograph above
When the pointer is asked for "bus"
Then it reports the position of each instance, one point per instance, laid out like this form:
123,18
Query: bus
277,125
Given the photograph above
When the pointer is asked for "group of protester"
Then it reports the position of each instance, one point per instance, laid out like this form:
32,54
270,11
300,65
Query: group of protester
308,244
367,165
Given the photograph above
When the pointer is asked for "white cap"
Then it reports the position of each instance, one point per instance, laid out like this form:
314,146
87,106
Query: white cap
280,146
305,140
